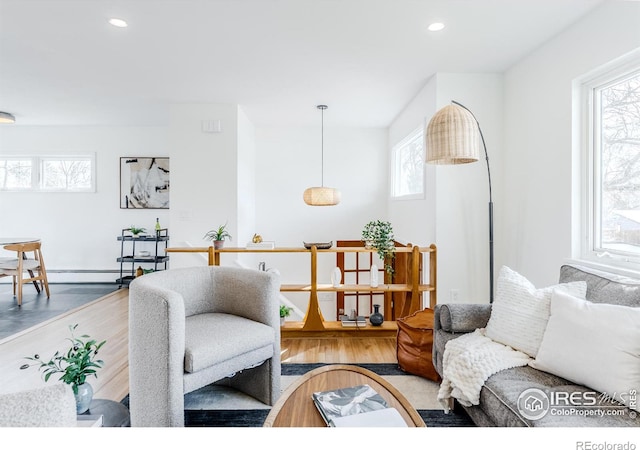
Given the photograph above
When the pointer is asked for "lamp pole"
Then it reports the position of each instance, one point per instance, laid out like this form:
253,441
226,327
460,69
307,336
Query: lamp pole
486,155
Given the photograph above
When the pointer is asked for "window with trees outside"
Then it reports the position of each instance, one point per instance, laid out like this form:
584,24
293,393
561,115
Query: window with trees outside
407,167
47,173
612,228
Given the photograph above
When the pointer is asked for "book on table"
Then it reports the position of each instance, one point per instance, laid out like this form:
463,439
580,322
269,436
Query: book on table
89,420
356,406
359,321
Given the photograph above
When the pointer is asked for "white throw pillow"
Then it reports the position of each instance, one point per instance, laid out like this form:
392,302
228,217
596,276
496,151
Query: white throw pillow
593,344
520,312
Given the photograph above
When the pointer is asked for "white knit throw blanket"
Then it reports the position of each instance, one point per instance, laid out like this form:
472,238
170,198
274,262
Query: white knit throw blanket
467,363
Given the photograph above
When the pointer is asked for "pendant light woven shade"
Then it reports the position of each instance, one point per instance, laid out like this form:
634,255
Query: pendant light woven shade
321,196
453,137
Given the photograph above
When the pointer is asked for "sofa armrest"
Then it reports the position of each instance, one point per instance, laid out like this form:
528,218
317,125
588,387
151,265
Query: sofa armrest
461,317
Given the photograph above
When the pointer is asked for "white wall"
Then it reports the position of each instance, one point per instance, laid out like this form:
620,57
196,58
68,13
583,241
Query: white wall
288,162
204,179
246,168
79,230
536,213
414,219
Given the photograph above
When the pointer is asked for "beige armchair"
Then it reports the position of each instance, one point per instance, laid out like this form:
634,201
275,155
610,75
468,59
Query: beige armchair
48,406
191,327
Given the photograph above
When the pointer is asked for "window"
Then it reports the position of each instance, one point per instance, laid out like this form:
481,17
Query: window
15,174
612,201
407,167
48,173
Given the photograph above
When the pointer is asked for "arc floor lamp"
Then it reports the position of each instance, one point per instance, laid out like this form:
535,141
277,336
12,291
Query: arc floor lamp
453,137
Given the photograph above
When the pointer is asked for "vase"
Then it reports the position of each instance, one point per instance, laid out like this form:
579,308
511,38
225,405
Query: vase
282,320
336,277
218,244
376,318
373,277
83,397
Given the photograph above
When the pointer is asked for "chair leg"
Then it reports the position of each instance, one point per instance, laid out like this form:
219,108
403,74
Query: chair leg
13,279
44,281
20,289
35,282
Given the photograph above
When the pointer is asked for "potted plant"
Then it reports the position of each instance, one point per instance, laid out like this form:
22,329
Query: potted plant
285,311
78,363
136,231
378,234
218,236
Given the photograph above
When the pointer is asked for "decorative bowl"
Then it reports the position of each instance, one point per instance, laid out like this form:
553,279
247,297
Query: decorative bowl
319,245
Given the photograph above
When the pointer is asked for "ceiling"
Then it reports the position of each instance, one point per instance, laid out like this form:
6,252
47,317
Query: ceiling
61,63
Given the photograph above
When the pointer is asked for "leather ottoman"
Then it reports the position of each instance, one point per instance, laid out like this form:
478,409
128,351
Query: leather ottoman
414,344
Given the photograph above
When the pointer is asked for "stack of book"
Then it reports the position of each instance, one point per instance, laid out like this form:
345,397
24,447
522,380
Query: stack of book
356,406
359,321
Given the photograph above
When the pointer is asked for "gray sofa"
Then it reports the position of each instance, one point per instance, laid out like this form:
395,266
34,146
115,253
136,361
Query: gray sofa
499,395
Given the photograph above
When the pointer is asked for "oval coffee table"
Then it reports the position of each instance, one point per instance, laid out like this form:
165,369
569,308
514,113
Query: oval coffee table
295,408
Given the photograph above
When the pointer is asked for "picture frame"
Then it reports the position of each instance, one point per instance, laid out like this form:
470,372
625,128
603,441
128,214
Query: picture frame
144,182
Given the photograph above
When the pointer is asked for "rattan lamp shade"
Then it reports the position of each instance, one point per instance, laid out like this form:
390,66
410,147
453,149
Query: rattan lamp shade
453,137
321,196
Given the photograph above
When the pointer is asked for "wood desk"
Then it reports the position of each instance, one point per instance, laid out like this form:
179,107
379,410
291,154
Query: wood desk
295,408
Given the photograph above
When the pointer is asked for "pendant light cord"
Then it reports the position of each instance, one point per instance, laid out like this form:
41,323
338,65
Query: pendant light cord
322,108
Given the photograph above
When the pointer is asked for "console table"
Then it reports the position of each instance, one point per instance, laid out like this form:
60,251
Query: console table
314,321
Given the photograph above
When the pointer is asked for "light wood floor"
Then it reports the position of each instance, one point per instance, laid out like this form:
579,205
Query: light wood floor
107,318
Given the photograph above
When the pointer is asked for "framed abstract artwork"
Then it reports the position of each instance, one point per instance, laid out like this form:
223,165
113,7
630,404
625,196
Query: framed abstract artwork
144,183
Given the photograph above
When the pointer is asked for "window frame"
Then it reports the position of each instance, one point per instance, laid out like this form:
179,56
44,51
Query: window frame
589,246
37,171
415,134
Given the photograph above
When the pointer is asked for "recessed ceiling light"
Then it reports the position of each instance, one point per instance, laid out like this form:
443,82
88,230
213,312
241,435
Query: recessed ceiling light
118,23
436,26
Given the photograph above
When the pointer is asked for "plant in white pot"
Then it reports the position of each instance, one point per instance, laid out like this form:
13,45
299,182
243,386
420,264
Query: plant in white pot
285,311
218,236
78,363
378,234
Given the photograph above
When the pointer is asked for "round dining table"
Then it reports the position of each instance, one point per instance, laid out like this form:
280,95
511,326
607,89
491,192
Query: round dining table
17,240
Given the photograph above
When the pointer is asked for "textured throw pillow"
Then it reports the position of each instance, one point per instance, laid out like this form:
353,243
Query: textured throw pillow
593,344
520,312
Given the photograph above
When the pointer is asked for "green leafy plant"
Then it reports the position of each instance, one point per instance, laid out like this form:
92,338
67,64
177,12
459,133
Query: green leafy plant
75,365
219,234
285,311
379,235
136,230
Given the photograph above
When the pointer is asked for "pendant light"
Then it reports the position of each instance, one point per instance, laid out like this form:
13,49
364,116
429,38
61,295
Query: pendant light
322,196
6,117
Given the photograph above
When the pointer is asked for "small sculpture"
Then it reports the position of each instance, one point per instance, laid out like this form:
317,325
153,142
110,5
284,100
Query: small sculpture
257,238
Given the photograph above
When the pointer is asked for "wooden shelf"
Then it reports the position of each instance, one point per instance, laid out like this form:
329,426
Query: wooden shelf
335,329
355,288
313,321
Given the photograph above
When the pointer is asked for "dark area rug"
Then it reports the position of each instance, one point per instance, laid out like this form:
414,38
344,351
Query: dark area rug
256,417
380,369
232,418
